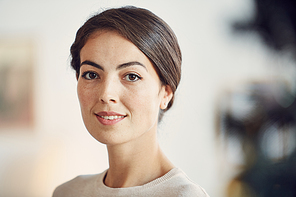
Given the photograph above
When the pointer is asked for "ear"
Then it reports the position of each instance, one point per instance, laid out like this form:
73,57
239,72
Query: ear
166,97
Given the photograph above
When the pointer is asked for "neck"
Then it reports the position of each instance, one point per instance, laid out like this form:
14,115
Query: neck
136,163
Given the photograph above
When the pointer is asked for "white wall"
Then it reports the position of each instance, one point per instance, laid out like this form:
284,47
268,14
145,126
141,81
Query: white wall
33,163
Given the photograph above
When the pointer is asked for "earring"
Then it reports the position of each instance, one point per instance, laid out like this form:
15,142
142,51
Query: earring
165,105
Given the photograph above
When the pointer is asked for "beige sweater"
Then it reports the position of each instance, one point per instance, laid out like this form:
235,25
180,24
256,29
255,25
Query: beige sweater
172,184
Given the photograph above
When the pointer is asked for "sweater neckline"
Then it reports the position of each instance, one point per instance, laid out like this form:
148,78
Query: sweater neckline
100,181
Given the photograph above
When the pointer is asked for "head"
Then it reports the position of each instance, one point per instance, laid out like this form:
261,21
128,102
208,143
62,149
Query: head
149,33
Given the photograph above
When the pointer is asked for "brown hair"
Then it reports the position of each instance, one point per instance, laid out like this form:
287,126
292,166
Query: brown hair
145,30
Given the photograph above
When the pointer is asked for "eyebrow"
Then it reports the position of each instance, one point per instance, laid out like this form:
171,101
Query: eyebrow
87,62
121,66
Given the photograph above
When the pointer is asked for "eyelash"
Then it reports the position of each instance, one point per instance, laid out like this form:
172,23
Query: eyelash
132,74
84,75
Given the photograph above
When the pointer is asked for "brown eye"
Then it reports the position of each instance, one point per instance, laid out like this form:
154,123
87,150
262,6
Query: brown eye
90,75
132,77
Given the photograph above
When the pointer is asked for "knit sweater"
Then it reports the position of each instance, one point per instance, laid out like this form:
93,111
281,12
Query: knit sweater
175,183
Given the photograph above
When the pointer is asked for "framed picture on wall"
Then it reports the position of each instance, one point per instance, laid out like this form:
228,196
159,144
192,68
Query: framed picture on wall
16,83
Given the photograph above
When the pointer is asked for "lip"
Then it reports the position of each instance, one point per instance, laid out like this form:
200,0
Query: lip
104,121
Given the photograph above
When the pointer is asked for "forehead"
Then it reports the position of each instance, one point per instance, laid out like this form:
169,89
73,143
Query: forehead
110,49
107,47
106,44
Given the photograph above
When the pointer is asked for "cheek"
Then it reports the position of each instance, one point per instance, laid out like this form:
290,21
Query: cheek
144,101
84,96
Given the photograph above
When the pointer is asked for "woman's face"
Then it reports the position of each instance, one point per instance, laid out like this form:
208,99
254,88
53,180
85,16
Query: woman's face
119,90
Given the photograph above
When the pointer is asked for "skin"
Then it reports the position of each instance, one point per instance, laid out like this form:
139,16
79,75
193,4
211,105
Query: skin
116,76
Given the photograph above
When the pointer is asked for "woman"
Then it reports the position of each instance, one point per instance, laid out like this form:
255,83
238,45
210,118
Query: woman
128,67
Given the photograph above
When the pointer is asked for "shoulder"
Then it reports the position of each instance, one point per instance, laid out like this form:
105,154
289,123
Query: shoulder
81,185
191,190
180,185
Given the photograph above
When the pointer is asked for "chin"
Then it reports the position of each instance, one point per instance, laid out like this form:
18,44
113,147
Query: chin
108,137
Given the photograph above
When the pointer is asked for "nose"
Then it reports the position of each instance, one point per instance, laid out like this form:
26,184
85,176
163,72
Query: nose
107,92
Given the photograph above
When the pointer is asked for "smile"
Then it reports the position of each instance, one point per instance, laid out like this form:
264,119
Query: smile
111,117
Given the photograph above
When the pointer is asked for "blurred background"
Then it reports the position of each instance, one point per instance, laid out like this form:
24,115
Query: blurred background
233,120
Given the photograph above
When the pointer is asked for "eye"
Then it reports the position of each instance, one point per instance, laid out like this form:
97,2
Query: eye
132,77
89,75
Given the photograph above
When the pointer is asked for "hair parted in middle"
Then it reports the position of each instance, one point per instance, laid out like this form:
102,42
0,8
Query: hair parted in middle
148,32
